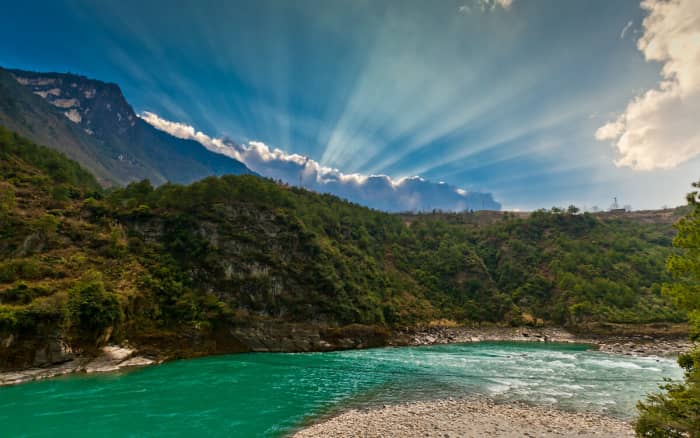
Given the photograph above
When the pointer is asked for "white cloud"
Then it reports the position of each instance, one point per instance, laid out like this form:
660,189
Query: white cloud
625,29
377,191
485,5
659,128
505,4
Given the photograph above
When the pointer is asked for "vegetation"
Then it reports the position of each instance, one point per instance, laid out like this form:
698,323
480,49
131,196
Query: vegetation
141,262
676,413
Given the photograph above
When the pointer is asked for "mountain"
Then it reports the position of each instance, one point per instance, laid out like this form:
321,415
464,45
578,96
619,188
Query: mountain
91,122
235,263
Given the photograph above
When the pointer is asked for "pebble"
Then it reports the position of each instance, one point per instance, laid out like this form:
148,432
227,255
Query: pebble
467,418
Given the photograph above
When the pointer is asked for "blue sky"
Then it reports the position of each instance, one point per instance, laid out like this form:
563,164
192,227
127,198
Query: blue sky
497,96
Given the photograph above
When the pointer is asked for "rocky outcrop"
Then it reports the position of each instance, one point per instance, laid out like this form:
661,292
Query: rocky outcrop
56,351
449,335
42,348
629,344
645,346
111,358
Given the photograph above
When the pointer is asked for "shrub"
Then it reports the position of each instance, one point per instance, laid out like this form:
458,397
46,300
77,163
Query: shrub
92,309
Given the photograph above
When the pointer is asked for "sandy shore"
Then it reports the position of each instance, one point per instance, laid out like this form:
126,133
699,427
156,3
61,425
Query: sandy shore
466,418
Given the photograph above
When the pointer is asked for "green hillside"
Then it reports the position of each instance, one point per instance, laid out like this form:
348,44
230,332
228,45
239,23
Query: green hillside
181,265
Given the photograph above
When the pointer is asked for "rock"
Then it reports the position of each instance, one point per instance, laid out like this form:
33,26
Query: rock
41,357
8,341
117,353
54,352
13,378
325,345
110,359
137,361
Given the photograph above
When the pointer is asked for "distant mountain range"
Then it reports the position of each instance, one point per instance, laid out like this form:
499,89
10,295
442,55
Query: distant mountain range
91,122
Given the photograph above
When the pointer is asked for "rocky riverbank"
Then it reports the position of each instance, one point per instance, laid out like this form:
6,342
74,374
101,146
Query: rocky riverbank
299,339
111,358
633,344
466,418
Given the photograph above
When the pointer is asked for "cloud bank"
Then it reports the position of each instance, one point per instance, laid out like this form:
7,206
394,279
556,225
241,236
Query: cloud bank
377,191
485,5
660,128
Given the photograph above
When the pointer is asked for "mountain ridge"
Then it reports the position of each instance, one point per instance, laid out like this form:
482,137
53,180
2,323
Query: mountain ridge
91,121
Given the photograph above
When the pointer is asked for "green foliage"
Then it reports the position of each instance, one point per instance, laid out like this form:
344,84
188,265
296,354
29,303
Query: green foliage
47,224
21,293
676,412
7,200
92,309
53,164
235,249
26,269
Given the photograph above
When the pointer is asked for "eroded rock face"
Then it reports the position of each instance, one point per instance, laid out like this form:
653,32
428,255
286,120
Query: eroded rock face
41,348
97,107
54,352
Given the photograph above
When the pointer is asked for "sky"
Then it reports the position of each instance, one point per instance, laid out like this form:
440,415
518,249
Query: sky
540,102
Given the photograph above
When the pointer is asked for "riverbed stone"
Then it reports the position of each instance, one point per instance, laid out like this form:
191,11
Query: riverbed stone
466,418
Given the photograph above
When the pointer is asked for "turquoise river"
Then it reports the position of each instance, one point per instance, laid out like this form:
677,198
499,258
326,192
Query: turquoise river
274,394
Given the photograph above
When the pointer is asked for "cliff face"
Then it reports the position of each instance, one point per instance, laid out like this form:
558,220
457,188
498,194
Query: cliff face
91,122
98,108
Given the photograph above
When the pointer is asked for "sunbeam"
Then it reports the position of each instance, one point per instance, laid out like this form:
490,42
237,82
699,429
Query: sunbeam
400,88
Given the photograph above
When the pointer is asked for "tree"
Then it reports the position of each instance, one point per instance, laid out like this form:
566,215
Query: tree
91,308
685,266
572,209
676,413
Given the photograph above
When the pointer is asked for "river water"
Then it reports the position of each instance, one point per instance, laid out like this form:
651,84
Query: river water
273,394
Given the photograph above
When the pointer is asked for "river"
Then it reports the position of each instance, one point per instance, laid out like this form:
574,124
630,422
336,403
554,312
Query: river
272,394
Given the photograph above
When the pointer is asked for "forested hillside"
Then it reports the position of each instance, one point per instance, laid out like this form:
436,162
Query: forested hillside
83,266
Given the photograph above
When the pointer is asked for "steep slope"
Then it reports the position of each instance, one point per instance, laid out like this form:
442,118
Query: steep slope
24,112
235,263
91,122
